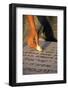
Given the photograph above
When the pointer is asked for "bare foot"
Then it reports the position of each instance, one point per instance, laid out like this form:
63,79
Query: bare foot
38,48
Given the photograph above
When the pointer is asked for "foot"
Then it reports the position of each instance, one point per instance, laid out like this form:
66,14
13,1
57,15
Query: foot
38,48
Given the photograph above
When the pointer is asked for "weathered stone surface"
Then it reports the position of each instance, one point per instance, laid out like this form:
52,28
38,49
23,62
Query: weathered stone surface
35,62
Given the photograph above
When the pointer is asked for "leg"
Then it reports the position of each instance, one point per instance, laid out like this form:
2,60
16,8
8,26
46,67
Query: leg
33,40
47,31
32,33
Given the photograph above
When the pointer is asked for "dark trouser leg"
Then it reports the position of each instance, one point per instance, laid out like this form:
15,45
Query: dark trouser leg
47,30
